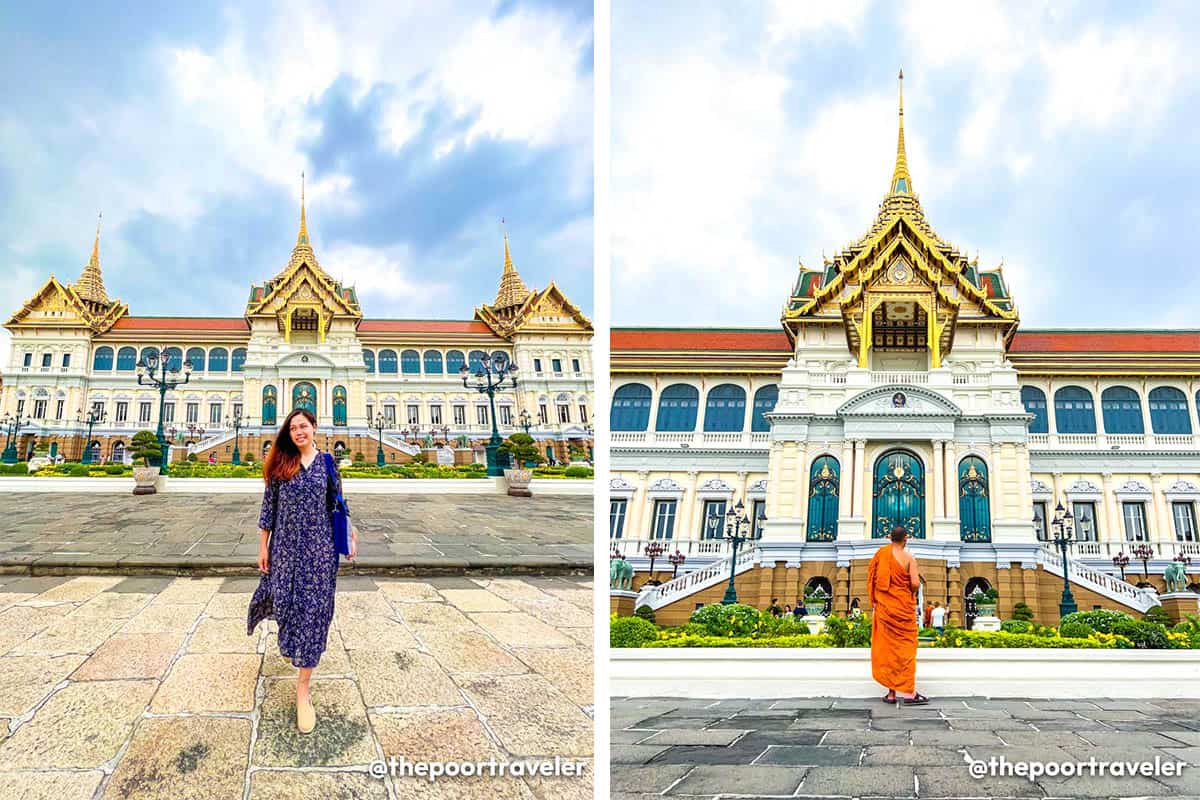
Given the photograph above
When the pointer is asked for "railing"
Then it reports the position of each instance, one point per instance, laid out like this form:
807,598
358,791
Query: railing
971,379
658,596
689,547
1099,582
829,378
879,378
1105,441
1166,550
677,439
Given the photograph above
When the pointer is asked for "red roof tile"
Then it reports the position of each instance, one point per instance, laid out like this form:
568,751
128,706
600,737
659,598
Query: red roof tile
1106,342
422,326
180,324
699,339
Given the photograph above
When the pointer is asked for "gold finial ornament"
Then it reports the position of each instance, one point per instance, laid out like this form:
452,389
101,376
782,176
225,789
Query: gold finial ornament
90,285
901,180
513,291
302,237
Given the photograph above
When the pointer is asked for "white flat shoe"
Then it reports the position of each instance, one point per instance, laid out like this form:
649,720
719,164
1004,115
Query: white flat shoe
306,716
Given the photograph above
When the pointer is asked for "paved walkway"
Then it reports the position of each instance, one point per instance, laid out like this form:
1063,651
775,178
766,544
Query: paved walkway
824,747
134,687
218,533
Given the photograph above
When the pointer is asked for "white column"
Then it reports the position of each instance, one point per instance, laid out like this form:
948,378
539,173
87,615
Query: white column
860,471
846,488
1144,394
1163,526
936,491
1113,528
951,468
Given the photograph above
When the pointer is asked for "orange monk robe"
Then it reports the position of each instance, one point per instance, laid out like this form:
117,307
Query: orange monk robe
893,623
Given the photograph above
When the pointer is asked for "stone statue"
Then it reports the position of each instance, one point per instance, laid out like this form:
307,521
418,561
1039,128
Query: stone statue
620,575
1175,577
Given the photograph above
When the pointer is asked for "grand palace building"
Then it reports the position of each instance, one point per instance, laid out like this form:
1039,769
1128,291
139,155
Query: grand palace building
301,340
899,389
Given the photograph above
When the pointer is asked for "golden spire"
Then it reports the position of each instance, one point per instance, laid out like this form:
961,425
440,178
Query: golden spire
901,181
302,237
513,290
90,285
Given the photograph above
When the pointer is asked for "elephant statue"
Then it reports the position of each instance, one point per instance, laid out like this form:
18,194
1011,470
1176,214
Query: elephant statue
620,575
1175,577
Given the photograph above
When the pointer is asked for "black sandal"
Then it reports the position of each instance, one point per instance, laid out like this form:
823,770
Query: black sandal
917,699
889,700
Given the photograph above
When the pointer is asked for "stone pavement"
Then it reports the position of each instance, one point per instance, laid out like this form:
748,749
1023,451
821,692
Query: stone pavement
43,534
137,687
826,747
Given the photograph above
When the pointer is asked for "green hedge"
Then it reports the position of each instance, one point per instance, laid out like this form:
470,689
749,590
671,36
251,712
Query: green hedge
1100,619
693,640
963,638
631,632
19,469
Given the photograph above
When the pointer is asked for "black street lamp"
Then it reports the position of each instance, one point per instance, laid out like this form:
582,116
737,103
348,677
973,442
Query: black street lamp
736,520
237,423
156,369
677,558
380,424
525,421
653,551
12,427
195,429
443,430
1064,537
490,377
91,419
1143,553
1121,561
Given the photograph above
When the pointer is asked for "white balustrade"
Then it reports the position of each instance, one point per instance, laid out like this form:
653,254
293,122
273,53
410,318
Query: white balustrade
880,378
689,583
1100,582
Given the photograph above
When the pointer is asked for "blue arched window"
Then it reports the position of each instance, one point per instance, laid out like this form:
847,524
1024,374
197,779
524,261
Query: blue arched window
1074,410
218,360
339,405
238,361
454,362
725,408
764,402
974,512
369,360
677,408
1034,400
499,357
147,352
1168,411
475,361
174,358
822,525
1122,410
387,362
433,362
102,360
268,405
196,356
126,359
410,362
630,408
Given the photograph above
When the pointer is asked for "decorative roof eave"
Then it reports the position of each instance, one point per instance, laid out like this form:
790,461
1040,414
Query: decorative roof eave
86,318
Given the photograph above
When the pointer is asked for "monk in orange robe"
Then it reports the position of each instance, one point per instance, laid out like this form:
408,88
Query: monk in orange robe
892,579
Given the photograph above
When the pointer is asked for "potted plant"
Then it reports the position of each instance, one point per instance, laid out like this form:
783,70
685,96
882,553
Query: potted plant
814,602
519,449
145,448
985,602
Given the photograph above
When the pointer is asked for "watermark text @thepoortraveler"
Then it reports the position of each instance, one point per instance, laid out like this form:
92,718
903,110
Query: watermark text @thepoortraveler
1001,767
400,767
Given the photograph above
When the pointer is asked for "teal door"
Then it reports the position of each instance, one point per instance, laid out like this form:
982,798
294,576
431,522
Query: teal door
304,395
899,495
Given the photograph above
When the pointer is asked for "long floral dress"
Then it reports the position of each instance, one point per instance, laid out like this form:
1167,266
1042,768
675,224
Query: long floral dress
298,589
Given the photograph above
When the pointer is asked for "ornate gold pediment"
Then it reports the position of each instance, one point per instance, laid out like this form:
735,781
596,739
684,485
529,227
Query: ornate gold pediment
545,310
57,305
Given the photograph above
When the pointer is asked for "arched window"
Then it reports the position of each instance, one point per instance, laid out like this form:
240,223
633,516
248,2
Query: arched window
369,360
147,352
238,360
126,359
1074,410
974,513
102,360
218,360
677,408
268,405
196,356
764,402
499,357
410,362
1034,400
387,362
1168,411
1122,410
118,452
174,358
475,361
433,362
630,408
454,362
725,408
339,405
823,500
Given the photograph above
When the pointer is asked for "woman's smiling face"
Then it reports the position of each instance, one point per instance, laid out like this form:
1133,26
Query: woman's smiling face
301,431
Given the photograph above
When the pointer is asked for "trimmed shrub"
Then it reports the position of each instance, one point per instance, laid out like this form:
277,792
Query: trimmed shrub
78,471
692,640
1099,619
645,612
1158,615
1021,611
735,619
961,638
1144,635
114,469
631,632
578,472
848,632
1016,626
1074,629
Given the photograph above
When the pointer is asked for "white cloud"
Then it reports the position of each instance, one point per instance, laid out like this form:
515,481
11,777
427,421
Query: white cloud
383,276
788,18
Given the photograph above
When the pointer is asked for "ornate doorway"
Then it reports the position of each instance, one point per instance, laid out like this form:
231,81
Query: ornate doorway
304,395
899,495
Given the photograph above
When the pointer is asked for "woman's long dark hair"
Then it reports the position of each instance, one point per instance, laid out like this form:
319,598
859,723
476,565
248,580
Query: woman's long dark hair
283,460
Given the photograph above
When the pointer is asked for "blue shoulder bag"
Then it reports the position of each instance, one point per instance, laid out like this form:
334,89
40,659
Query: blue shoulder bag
341,513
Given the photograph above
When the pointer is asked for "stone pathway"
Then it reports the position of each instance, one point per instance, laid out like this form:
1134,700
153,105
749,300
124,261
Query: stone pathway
824,747
149,687
218,533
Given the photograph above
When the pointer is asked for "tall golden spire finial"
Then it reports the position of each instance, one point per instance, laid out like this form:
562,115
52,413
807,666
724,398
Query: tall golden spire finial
302,237
513,290
901,181
90,285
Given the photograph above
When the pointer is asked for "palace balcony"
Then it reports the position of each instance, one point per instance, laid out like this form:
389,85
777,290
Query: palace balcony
1112,441
683,440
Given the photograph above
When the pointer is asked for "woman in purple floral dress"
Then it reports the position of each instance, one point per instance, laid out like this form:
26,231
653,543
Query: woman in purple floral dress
296,551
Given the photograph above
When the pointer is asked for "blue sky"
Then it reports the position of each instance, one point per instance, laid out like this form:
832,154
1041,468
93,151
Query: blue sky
1061,138
419,125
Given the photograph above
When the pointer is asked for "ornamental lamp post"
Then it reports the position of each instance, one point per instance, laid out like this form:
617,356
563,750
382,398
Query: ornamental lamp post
490,378
1064,537
237,423
677,558
12,427
1121,561
736,521
1143,552
155,369
380,424
653,551
90,420
525,421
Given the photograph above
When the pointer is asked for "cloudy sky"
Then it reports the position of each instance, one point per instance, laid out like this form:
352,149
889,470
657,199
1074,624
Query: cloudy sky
420,125
1062,138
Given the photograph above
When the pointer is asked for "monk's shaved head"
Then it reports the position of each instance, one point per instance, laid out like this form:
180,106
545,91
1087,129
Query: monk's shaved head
899,534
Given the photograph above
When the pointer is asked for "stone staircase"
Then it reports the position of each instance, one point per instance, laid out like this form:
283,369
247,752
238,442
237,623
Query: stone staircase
1103,584
680,587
